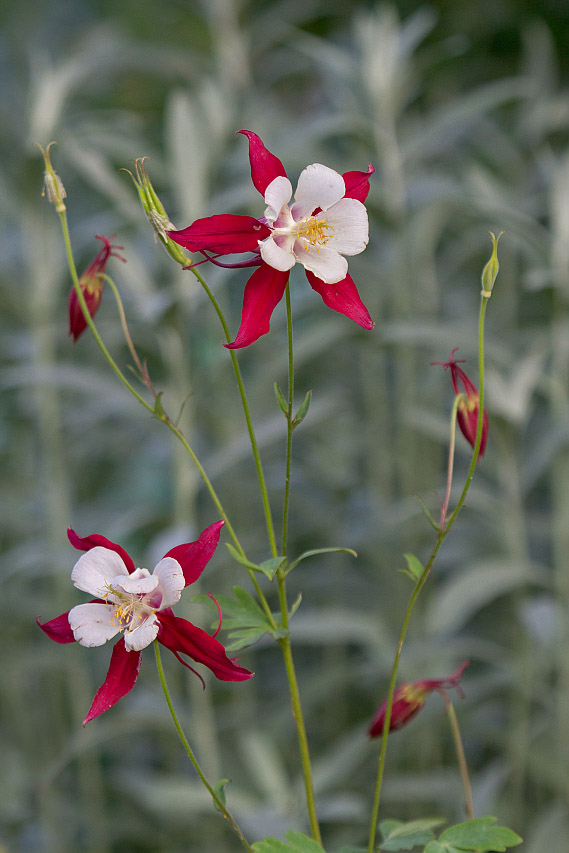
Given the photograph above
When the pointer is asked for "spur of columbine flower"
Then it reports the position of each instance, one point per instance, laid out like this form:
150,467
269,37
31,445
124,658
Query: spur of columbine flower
91,284
137,604
326,221
468,406
409,698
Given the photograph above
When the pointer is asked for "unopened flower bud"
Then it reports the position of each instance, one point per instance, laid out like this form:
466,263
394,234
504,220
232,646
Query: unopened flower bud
409,698
468,405
52,185
91,284
490,271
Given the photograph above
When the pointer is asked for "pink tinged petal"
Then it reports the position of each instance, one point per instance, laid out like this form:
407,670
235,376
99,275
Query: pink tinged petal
143,635
93,624
357,183
318,187
265,167
343,298
193,557
225,234
323,261
170,577
277,195
97,540
348,231
97,569
140,582
58,629
263,292
181,637
121,678
279,257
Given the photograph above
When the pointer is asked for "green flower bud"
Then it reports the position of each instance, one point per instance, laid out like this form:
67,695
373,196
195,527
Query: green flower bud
490,271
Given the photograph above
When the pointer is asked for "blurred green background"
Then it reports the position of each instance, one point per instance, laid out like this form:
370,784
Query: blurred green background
464,111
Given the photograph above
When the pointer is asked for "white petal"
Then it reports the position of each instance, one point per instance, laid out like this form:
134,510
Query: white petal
277,195
142,636
323,261
171,580
96,569
349,233
277,257
93,624
318,186
139,582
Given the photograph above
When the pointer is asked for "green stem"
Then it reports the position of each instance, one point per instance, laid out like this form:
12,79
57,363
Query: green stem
288,419
248,419
443,533
216,799
468,801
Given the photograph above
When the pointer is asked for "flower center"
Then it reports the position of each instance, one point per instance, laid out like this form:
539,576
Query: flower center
130,608
313,230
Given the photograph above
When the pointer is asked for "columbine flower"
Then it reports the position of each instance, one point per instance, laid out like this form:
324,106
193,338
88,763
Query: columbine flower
137,604
410,697
468,407
326,221
91,284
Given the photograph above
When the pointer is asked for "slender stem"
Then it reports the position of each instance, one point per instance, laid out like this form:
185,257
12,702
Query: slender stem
451,446
443,533
248,419
468,801
217,801
288,419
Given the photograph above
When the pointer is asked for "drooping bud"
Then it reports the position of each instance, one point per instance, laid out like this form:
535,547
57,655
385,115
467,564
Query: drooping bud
409,698
156,212
468,405
490,271
91,284
52,185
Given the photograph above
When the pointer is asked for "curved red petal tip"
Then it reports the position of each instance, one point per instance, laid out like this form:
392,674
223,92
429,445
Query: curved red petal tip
121,678
96,540
343,297
357,183
223,234
263,292
58,629
265,167
194,556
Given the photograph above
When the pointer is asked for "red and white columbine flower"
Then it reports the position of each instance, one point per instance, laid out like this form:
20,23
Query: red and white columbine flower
326,221
469,405
137,604
91,284
410,697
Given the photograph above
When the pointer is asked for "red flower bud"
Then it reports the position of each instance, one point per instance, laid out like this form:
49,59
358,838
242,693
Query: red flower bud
91,284
468,407
410,697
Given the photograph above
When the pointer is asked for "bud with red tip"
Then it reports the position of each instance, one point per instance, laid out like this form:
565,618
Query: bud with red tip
468,406
410,697
91,284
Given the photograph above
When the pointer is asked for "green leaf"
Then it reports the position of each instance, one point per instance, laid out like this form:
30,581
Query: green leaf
414,568
243,611
295,606
242,560
405,836
303,410
244,638
300,844
435,847
479,835
314,553
219,790
425,509
271,567
158,407
283,405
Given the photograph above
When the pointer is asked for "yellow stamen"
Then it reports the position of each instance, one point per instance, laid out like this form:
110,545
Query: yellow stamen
313,231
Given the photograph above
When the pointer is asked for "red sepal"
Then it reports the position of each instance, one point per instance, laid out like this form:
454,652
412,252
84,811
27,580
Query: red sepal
263,292
343,297
265,167
357,183
121,678
58,629
181,637
194,556
94,540
224,234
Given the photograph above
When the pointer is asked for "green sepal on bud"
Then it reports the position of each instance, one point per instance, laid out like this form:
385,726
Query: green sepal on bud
282,403
490,271
155,211
303,410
